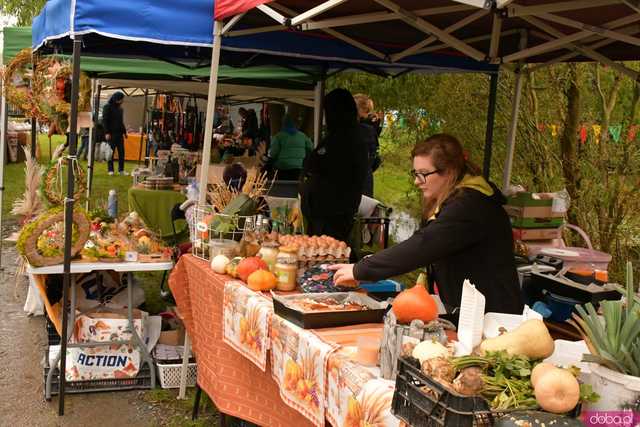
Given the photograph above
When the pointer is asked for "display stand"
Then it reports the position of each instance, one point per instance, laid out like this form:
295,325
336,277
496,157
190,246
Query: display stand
136,340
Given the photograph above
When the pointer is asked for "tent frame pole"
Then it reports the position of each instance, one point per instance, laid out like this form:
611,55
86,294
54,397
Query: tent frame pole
143,127
491,114
93,139
211,104
68,214
4,119
317,110
515,111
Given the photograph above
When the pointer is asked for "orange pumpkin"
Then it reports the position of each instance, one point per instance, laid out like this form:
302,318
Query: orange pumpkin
415,303
249,265
262,280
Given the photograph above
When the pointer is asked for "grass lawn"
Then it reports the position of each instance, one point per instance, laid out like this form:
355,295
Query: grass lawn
102,183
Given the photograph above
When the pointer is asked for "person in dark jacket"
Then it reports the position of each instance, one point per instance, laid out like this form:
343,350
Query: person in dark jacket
335,171
114,130
371,128
467,234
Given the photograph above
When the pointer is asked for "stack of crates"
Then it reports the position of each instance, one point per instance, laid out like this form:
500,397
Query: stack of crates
534,218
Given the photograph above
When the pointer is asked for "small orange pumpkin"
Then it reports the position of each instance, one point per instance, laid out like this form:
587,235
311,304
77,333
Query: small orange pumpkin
415,303
249,265
262,280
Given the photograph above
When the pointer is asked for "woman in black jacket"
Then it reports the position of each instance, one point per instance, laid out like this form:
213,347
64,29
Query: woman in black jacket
114,130
467,234
335,171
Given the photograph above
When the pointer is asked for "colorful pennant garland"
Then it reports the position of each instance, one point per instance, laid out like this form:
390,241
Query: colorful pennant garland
595,131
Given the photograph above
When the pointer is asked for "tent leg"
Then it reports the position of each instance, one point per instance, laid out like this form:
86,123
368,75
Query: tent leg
3,148
491,114
68,212
317,111
211,104
143,128
92,138
92,145
513,127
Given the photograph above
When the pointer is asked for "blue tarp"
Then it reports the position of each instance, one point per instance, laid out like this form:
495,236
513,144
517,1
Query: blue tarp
183,31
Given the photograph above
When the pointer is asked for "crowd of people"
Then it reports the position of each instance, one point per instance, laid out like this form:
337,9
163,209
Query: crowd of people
465,233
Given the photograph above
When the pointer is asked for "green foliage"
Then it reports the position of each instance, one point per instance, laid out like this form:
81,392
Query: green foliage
23,10
614,339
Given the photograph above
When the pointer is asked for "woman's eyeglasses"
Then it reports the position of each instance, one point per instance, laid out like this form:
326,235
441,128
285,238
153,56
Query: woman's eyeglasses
421,176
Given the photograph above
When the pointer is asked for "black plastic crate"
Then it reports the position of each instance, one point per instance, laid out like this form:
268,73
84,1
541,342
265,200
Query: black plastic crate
423,402
140,381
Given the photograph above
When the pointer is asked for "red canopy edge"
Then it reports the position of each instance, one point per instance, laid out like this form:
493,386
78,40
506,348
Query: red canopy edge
226,8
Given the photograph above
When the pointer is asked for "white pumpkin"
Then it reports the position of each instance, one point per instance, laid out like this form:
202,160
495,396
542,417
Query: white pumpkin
219,264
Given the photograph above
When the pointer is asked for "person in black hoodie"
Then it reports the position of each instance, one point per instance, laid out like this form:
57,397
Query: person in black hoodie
114,130
334,172
467,234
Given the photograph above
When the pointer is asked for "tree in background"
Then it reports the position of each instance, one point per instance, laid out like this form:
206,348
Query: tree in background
23,10
559,103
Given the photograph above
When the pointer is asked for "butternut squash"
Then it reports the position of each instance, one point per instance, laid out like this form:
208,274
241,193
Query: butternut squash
531,339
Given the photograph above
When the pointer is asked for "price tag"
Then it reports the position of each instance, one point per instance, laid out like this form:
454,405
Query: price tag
202,226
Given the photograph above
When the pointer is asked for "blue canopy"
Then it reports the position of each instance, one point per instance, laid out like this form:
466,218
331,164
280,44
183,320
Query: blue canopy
184,32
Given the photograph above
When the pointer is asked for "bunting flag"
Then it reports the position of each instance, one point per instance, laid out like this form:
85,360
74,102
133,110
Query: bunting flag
633,131
615,132
583,134
597,130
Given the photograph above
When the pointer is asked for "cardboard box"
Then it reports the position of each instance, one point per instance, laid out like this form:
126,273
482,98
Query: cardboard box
519,222
526,199
532,211
174,338
537,233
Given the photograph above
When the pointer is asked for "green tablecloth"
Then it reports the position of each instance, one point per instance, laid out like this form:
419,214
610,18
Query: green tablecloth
154,207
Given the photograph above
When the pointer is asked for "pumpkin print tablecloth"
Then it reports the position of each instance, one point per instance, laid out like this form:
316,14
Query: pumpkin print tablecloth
298,362
356,396
246,318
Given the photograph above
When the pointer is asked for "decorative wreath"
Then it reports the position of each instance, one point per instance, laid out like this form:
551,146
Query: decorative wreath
52,185
52,84
41,242
16,81
39,91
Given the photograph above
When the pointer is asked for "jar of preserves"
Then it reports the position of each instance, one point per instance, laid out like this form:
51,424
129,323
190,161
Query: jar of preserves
269,254
286,268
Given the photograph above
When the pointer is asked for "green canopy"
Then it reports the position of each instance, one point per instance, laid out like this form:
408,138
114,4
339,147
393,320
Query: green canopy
18,38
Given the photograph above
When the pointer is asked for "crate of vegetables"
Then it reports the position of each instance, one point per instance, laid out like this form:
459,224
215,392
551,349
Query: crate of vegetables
422,401
504,383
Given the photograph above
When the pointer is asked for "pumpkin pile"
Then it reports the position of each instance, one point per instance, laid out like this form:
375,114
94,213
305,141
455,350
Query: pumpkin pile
252,270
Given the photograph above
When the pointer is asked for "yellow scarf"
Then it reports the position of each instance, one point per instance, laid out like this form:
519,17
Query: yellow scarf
477,183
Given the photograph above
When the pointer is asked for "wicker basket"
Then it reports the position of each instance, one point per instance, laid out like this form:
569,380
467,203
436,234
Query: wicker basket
169,374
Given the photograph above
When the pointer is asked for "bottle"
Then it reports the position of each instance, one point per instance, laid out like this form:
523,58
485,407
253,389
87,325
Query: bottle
112,204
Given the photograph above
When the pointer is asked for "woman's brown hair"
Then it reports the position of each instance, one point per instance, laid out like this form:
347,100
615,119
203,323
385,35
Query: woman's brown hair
449,159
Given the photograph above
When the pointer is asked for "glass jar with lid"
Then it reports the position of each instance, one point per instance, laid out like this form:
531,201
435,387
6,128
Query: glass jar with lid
286,268
269,254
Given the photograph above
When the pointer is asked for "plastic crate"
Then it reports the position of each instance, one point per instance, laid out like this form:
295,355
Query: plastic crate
169,374
423,402
52,334
140,381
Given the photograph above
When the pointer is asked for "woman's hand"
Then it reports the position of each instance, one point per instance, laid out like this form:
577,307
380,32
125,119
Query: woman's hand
343,275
